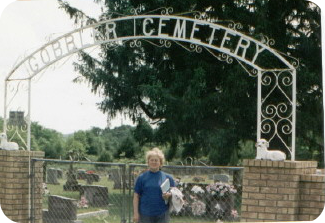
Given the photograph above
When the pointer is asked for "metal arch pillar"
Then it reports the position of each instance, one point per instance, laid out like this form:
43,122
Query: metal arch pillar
5,111
5,107
294,101
29,122
270,116
259,104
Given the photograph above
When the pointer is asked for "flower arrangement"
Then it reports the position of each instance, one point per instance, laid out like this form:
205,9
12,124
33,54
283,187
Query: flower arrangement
198,208
234,213
83,203
220,189
181,186
213,201
197,190
45,190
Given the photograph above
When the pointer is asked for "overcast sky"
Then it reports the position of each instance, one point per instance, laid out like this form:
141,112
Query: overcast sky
57,103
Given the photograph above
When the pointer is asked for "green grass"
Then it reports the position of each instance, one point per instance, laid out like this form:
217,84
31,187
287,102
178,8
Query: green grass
103,219
174,219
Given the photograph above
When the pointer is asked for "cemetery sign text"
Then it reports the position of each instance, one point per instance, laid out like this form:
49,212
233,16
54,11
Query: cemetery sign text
174,28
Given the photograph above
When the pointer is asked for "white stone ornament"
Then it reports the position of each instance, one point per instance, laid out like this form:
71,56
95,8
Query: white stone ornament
5,145
263,154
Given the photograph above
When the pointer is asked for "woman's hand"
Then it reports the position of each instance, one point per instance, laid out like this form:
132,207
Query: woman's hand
166,195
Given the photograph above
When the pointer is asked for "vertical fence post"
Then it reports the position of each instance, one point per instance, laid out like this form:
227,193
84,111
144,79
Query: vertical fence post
123,209
32,191
131,169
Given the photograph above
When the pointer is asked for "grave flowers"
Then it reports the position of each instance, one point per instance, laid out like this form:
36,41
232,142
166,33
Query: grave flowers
83,203
220,190
198,207
214,201
221,200
45,190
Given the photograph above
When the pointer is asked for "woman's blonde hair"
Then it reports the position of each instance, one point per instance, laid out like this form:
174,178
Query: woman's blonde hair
156,152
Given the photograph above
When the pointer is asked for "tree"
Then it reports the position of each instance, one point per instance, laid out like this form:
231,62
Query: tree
188,94
143,132
75,150
47,140
105,156
127,149
95,144
81,136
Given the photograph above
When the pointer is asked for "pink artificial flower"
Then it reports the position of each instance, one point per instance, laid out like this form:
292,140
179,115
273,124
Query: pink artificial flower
234,213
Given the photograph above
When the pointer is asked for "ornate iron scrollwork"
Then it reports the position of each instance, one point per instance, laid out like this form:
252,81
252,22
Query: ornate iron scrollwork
135,43
266,40
277,115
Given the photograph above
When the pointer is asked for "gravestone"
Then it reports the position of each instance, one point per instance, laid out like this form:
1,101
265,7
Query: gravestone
221,178
81,174
88,176
72,182
116,177
198,179
59,173
97,196
61,209
52,176
92,177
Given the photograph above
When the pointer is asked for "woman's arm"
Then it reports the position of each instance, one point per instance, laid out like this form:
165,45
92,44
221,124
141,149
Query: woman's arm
136,207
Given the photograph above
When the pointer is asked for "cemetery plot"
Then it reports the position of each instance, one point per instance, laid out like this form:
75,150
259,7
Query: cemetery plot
77,192
81,192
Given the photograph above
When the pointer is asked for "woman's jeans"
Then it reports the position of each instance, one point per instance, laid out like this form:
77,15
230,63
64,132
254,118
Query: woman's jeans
164,218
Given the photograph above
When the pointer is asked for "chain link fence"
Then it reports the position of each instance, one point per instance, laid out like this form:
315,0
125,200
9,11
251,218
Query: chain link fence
92,192
83,192
210,193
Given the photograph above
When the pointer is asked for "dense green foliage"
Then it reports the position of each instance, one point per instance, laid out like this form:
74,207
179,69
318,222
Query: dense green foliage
202,106
95,144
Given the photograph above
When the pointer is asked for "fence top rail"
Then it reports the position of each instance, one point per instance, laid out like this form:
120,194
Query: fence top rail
78,162
132,165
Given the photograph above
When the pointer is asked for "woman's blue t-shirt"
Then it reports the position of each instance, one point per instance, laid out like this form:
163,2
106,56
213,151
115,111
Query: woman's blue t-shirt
148,187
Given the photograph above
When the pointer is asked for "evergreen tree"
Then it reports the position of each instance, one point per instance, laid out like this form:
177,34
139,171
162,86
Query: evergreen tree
190,95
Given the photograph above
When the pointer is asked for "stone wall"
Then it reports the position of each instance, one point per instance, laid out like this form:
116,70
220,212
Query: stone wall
14,185
282,191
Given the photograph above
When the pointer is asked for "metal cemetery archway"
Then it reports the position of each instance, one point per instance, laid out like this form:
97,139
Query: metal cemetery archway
274,119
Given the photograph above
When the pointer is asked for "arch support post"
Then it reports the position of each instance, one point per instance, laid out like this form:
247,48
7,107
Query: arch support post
5,107
29,114
294,104
259,104
276,109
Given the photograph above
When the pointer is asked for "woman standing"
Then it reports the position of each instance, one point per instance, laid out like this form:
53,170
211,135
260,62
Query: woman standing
149,202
